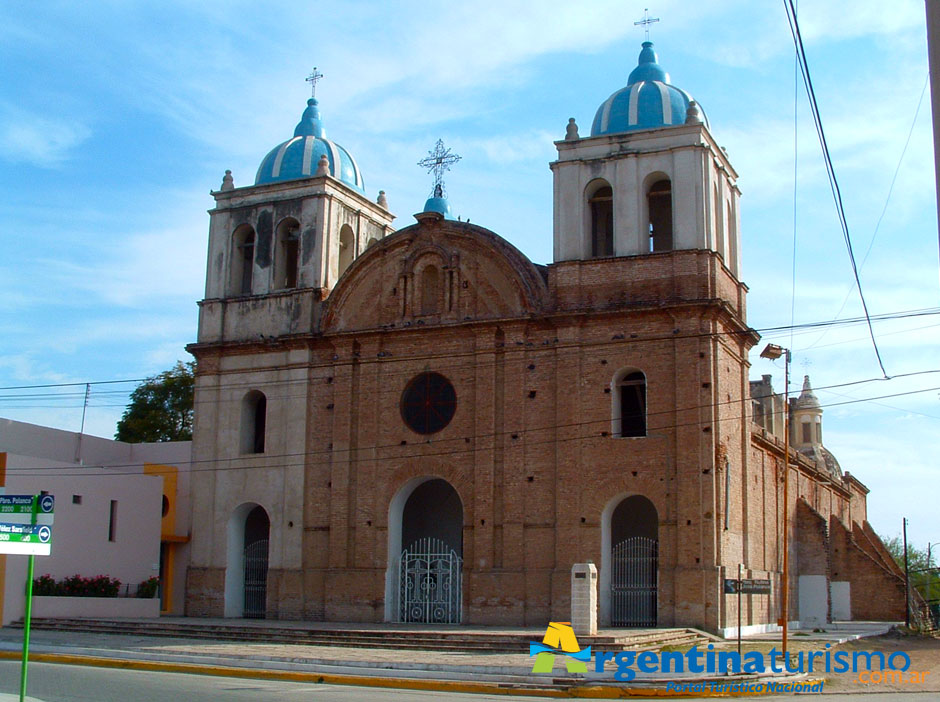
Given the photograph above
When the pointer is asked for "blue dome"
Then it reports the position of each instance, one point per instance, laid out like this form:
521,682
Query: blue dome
299,156
649,101
438,202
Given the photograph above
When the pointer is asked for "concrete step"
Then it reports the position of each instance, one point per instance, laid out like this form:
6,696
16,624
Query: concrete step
440,640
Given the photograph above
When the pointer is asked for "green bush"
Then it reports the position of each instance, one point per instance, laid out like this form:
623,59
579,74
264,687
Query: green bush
77,586
148,588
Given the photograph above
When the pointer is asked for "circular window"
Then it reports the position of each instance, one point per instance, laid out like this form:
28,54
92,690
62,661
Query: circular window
428,403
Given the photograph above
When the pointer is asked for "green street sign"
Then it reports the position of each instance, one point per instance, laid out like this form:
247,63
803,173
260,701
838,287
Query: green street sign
25,533
27,504
16,504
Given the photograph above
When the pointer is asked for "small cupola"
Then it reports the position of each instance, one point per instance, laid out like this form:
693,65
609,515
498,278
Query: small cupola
649,101
437,161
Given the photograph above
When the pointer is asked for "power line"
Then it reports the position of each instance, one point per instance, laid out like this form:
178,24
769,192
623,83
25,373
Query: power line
884,209
830,169
769,332
460,443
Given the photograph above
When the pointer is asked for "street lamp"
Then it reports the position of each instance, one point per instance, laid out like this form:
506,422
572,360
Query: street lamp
773,352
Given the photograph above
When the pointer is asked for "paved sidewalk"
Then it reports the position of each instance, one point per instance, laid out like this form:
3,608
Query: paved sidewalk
505,672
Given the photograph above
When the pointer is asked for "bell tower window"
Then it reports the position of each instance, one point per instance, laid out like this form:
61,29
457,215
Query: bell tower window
601,204
287,254
659,203
347,248
243,259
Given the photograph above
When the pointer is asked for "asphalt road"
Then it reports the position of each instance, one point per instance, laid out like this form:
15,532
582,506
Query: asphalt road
67,683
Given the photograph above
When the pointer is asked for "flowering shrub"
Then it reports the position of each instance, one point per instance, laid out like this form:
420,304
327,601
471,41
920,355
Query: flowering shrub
148,588
44,585
77,586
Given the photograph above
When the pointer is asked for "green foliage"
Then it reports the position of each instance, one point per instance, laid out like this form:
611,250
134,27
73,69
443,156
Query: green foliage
148,588
161,408
45,585
924,580
77,586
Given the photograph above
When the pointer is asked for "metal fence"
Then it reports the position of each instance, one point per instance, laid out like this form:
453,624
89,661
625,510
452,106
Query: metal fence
633,582
256,579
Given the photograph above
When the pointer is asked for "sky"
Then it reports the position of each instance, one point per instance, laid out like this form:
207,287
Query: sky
118,118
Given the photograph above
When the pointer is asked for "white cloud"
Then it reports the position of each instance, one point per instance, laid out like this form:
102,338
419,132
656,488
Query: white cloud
40,141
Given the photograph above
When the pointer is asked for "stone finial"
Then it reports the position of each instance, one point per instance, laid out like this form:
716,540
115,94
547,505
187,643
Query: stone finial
228,183
382,200
571,131
693,115
323,166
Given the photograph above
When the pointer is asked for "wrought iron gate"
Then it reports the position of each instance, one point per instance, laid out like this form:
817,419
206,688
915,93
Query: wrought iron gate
429,583
633,582
256,579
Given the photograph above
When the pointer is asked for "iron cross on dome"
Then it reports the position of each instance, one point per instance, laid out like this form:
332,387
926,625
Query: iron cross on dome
645,22
438,161
312,79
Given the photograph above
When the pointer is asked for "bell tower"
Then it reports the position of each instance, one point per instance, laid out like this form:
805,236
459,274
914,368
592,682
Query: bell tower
650,177
282,243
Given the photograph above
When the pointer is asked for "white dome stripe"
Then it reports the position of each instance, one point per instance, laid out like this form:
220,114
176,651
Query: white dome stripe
356,169
632,116
605,115
308,154
276,171
667,105
337,163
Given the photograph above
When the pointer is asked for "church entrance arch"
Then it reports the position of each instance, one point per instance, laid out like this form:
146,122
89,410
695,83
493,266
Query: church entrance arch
246,570
630,562
425,554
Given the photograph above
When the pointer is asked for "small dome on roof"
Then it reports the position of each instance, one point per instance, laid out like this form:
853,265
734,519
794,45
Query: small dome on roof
807,399
438,203
648,101
299,156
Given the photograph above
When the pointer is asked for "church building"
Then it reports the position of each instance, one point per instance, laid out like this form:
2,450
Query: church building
423,425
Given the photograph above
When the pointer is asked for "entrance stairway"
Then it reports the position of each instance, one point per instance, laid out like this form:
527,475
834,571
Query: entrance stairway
416,637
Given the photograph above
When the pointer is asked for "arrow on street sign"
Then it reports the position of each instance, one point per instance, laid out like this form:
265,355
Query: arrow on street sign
25,539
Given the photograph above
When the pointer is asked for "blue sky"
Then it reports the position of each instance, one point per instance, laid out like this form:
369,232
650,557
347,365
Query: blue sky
117,118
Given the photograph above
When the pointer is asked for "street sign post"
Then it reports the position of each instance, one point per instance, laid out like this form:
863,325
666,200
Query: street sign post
745,586
26,529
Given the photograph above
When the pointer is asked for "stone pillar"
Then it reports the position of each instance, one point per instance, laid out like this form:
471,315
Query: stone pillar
584,599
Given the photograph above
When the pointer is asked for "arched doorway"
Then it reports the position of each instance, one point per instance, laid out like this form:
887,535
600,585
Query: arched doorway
629,580
424,579
246,572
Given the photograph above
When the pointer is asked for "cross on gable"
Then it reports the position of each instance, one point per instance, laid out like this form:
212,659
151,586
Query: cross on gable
438,161
312,79
646,22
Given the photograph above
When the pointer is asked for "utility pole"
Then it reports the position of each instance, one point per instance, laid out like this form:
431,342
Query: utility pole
907,582
773,351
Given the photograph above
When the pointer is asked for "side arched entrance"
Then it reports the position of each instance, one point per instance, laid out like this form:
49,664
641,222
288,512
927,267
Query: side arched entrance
246,572
424,580
630,565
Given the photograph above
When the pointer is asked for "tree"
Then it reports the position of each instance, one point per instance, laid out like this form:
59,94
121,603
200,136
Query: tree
924,580
161,408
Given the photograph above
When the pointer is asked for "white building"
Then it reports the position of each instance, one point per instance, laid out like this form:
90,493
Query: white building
121,510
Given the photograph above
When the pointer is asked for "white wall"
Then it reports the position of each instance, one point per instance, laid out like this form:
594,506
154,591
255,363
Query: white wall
42,459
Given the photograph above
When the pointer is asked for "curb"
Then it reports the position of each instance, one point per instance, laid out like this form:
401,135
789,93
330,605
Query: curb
557,691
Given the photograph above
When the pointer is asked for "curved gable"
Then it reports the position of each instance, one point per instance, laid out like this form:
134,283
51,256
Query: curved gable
435,272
